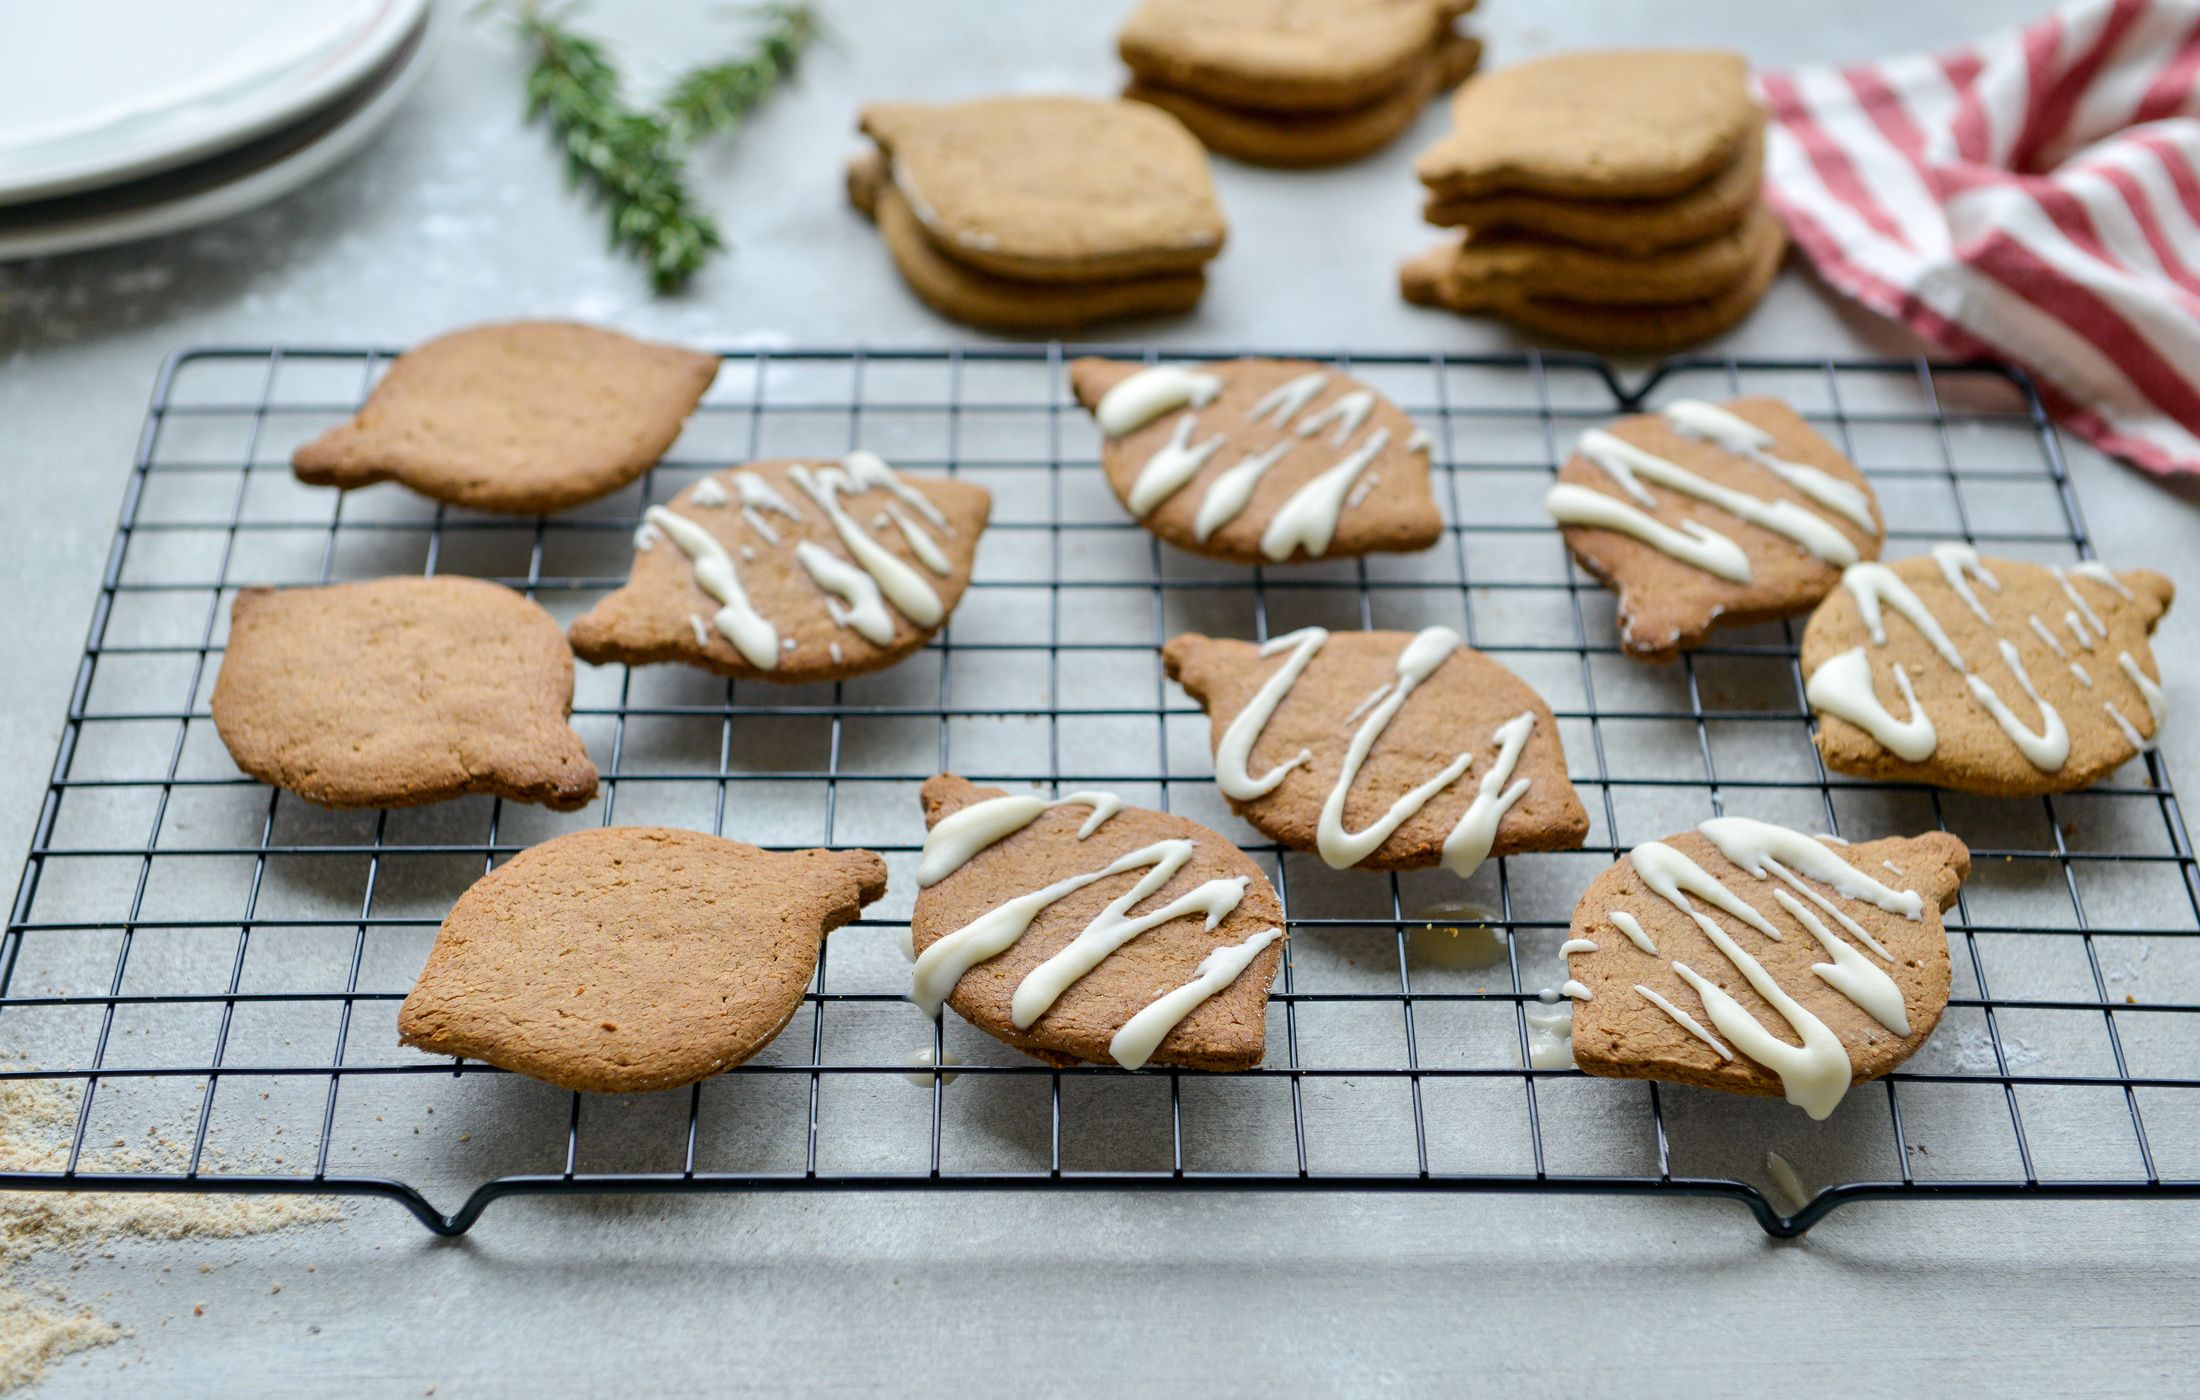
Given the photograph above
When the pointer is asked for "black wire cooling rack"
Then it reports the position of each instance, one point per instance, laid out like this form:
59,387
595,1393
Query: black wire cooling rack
195,951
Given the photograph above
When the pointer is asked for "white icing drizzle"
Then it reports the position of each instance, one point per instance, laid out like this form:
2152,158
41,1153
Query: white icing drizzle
645,537
1420,441
856,602
1759,847
751,633
1575,945
868,469
2085,677
2077,629
1577,991
1287,398
1697,419
1625,462
1151,392
1364,489
709,493
1692,543
1893,867
1686,1022
2046,750
1851,973
1875,586
1631,926
1469,841
2039,629
2101,574
2149,691
902,586
920,543
960,835
758,494
748,554
2077,600
833,650
1044,984
758,523
1959,564
1843,686
1169,470
702,629
1133,1045
788,644
1231,492
1673,877
2131,736
1308,520
1348,413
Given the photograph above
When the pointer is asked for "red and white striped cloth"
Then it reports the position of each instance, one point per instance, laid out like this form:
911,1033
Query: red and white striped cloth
2034,198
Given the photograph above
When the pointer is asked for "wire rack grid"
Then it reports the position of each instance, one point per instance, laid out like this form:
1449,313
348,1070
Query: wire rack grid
194,950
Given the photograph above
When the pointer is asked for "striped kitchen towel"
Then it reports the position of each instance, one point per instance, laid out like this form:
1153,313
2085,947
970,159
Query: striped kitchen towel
2034,198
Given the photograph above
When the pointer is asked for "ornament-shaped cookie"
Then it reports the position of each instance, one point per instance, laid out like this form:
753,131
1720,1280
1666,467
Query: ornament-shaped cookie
792,571
1382,750
1986,675
1080,929
1327,55
629,958
525,417
1704,515
1747,957
401,691
1261,461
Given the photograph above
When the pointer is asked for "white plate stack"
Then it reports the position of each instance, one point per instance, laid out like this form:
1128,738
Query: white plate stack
122,119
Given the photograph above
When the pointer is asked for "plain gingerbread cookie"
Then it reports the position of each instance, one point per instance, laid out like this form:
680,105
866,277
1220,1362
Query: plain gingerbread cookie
1746,957
1082,930
1986,675
625,959
399,692
526,417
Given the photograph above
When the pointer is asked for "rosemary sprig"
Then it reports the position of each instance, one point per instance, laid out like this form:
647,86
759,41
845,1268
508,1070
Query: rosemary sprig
718,96
631,158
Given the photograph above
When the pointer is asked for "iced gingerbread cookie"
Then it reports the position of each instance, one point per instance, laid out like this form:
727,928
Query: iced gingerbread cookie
525,417
1986,675
624,959
1747,957
1080,929
1382,750
1620,124
1703,515
1261,461
1038,212
400,692
792,571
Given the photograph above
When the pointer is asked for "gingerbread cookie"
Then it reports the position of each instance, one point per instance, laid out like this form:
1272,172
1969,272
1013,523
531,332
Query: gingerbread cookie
625,959
1261,460
525,417
1747,957
1052,189
1717,206
1260,136
1622,124
1434,278
1084,930
399,692
1703,515
1285,55
1001,303
1986,675
1382,750
792,571
1492,272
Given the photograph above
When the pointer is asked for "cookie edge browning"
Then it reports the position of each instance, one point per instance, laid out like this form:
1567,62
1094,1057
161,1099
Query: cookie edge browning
1091,376
593,636
336,458
1704,1069
1567,833
1847,749
865,869
567,784
1692,631
947,793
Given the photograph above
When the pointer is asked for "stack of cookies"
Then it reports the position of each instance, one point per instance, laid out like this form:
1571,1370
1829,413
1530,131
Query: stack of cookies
1040,213
1608,199
1295,82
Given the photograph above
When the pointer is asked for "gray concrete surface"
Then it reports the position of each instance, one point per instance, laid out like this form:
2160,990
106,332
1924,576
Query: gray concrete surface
458,215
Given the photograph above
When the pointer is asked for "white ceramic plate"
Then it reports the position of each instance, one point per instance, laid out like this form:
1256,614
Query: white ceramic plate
96,92
226,185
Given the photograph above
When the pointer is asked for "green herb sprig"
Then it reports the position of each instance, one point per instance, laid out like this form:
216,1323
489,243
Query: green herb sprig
632,159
